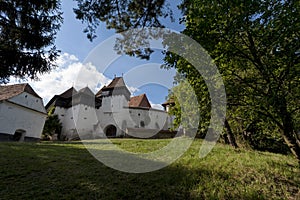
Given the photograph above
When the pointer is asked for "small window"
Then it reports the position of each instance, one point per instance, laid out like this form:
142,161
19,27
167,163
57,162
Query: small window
26,96
62,115
86,108
37,100
139,114
142,123
84,118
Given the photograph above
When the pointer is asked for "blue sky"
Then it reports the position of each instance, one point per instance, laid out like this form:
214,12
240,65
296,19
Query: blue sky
72,39
76,48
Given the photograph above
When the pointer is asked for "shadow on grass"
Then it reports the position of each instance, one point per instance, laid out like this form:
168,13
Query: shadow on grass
46,171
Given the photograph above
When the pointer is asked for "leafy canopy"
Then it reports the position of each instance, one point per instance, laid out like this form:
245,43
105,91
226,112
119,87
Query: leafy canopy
121,15
256,46
27,33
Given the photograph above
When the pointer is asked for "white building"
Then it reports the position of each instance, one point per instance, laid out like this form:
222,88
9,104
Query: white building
112,112
22,113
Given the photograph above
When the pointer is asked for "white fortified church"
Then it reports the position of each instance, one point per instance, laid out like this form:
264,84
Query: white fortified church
112,112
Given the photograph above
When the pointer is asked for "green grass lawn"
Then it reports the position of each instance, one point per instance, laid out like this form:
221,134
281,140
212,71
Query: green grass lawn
68,171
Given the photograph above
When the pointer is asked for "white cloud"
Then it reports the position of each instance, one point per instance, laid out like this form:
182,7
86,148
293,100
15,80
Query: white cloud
132,90
156,106
65,59
87,75
70,72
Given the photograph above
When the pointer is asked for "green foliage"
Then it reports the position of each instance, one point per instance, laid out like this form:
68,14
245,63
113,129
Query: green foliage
192,104
27,33
255,45
51,111
121,15
264,136
68,171
52,126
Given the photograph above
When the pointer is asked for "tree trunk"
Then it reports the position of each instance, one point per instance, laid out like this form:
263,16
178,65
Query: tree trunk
292,144
230,135
288,132
225,137
291,139
297,136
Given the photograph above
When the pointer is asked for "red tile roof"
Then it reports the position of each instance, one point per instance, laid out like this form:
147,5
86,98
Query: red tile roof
139,101
9,91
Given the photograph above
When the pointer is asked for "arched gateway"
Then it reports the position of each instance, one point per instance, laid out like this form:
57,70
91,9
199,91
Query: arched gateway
111,131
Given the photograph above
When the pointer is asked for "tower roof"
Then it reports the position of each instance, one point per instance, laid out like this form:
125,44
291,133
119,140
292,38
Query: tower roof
84,96
68,93
86,91
116,87
116,82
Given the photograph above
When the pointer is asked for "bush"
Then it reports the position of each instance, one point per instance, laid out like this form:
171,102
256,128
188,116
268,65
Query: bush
52,126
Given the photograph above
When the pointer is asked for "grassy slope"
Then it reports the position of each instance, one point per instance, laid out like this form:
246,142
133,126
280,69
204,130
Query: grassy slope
68,171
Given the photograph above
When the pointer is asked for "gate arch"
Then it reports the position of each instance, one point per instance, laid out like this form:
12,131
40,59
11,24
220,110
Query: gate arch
111,131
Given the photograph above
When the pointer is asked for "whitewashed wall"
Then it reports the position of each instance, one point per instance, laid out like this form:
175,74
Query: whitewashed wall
106,119
113,103
78,119
29,101
114,111
15,117
152,119
66,118
131,118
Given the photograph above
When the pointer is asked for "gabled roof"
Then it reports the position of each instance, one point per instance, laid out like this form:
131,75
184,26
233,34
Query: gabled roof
139,101
73,97
9,91
69,93
63,99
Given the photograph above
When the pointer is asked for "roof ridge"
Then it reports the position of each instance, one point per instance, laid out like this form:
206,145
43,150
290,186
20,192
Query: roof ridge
9,91
30,90
116,82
